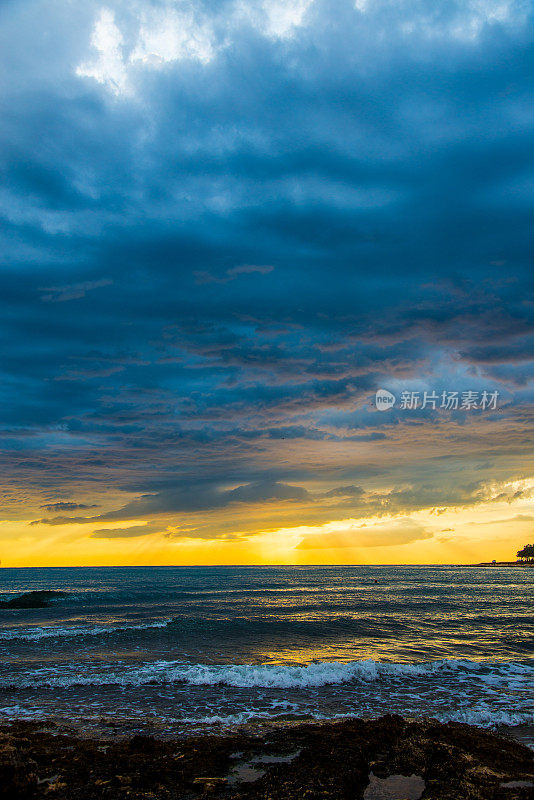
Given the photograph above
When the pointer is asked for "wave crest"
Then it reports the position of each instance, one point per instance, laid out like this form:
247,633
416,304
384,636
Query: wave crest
272,676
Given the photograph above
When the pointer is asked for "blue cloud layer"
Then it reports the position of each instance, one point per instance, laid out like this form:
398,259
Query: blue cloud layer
226,225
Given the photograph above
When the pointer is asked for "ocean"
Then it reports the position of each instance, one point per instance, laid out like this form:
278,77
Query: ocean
168,649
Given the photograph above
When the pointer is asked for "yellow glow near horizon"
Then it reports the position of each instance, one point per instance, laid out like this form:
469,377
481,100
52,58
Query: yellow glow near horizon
494,529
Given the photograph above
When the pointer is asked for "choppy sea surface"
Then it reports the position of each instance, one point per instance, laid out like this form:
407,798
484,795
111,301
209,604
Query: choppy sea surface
186,648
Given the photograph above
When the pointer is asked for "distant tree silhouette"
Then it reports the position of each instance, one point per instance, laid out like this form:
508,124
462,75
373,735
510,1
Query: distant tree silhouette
527,553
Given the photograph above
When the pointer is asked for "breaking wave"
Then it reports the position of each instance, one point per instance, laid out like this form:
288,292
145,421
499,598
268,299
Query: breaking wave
56,632
510,675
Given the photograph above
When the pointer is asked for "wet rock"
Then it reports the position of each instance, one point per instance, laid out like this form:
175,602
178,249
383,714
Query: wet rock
394,787
18,772
245,773
385,759
209,785
37,599
518,784
143,744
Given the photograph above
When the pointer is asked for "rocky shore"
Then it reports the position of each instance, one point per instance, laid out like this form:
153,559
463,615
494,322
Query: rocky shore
385,759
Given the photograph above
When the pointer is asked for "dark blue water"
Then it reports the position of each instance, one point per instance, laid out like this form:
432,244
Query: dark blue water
182,648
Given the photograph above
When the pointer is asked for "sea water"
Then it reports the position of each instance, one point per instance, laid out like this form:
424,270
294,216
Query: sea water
194,648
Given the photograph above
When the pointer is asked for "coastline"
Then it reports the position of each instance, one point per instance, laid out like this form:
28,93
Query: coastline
503,564
342,759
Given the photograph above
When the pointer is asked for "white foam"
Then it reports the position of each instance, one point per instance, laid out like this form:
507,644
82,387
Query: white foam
272,676
491,717
54,632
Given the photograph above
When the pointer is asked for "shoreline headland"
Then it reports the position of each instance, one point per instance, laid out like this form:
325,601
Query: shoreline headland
503,564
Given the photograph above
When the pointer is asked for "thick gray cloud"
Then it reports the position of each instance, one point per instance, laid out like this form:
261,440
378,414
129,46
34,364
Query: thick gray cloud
194,512
67,506
191,499
132,532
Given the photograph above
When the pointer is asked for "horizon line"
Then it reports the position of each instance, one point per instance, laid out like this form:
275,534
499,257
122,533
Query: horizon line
261,566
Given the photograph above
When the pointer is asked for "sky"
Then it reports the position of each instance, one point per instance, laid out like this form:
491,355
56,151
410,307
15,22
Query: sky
225,226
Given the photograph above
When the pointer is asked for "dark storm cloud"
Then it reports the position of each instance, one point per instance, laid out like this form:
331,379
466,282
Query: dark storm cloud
126,533
67,506
209,252
193,499
345,491
190,508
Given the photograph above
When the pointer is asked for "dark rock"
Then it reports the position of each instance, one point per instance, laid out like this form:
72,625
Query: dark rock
18,772
37,599
143,744
328,761
209,785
